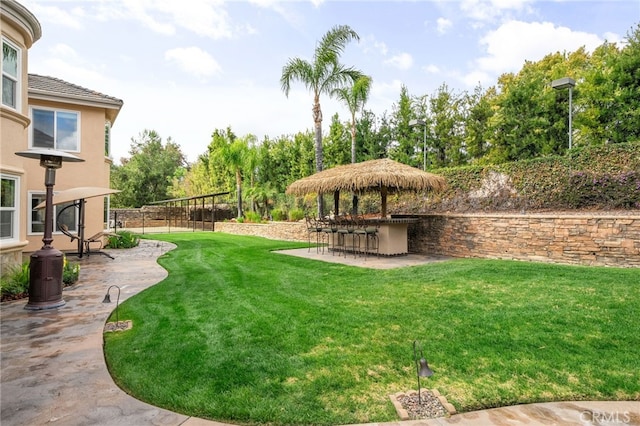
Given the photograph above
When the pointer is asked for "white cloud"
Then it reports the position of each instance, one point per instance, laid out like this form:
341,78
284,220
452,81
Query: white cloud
515,42
474,78
431,69
443,25
370,44
193,60
491,10
205,18
137,10
69,18
615,38
403,61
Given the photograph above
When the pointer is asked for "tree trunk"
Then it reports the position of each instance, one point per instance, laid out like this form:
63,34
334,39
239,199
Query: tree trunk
317,118
239,191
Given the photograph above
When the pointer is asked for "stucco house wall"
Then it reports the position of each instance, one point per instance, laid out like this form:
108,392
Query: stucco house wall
54,94
94,110
20,29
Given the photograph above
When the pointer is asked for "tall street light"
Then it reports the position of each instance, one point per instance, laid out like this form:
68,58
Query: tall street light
414,123
46,265
564,83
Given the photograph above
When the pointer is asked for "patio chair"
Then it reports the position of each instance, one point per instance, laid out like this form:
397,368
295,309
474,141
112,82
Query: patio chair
98,239
313,228
65,230
330,229
346,227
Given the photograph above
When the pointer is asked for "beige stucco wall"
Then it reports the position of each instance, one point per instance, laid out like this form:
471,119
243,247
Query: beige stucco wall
19,27
94,171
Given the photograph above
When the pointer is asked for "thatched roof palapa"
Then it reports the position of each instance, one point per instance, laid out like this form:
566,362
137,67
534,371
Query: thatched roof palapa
382,175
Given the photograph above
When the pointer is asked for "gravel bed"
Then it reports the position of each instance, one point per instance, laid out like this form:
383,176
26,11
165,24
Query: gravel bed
430,408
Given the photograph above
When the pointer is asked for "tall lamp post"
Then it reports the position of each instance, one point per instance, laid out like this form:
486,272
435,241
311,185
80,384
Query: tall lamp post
413,123
564,83
46,265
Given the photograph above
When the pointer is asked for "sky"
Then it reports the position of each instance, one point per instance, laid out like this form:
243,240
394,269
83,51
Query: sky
187,67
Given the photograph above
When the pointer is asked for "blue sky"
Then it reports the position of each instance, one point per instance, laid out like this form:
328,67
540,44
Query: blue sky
185,68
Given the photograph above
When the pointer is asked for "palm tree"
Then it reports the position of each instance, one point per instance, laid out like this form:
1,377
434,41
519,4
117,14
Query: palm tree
322,76
234,155
354,98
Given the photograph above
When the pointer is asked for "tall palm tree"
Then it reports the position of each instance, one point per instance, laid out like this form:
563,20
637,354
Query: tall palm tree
354,98
322,76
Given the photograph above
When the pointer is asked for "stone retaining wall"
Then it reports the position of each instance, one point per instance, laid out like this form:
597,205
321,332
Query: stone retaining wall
571,239
287,231
556,238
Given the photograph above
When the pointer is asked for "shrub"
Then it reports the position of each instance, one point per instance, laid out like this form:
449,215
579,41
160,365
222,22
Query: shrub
70,272
296,215
619,190
123,239
278,215
602,177
14,282
252,217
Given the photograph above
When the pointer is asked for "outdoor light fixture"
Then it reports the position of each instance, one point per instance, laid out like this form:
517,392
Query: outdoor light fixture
107,299
413,123
422,367
46,265
564,83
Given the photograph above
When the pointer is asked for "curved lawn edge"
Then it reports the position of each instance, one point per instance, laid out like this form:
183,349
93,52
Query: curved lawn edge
327,343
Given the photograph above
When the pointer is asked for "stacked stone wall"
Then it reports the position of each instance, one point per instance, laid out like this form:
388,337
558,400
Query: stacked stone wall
556,238
287,231
570,239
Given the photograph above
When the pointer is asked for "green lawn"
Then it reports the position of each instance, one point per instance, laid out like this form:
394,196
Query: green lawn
237,333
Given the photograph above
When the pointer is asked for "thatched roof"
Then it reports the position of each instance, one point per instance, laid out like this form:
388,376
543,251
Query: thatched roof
384,174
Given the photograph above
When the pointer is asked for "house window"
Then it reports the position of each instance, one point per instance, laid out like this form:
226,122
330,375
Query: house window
68,217
10,75
55,129
9,208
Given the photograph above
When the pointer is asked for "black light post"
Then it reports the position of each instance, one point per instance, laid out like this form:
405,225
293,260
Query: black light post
422,368
566,83
46,264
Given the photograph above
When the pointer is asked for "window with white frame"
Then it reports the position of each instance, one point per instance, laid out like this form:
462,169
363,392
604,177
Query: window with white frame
10,75
55,129
9,204
69,216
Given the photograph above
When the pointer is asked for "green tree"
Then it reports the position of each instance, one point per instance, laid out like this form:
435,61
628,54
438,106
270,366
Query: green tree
322,75
234,154
336,143
370,137
624,116
146,176
476,121
445,119
404,147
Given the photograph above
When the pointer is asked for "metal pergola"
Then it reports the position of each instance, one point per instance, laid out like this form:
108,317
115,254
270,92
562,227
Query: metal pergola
173,202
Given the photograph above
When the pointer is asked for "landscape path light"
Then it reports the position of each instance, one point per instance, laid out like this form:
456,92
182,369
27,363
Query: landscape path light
107,299
46,265
422,367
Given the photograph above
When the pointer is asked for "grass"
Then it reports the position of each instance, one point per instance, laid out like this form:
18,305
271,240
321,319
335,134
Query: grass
237,333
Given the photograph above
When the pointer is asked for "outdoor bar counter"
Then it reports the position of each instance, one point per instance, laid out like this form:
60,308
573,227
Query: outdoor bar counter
392,236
